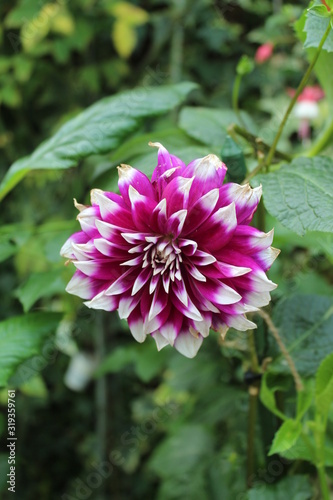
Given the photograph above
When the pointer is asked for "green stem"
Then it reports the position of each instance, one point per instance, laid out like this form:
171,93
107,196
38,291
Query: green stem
176,56
257,142
321,142
235,95
323,482
252,417
321,424
297,93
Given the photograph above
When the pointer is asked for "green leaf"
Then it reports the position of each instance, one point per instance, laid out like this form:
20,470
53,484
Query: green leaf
233,156
97,130
269,385
305,324
324,386
286,436
302,449
304,398
116,361
299,194
209,126
40,285
12,237
324,61
149,363
182,452
319,10
294,487
146,360
315,26
35,387
22,337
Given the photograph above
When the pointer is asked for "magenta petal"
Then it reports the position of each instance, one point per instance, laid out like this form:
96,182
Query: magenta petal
136,325
110,249
113,211
87,219
159,302
171,327
67,250
127,304
142,208
188,247
250,240
217,292
201,210
155,323
101,269
177,194
175,256
103,301
176,222
186,307
84,286
218,230
122,284
141,279
209,173
129,176
265,258
245,198
165,161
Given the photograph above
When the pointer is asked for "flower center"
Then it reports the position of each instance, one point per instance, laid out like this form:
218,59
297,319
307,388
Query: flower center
163,255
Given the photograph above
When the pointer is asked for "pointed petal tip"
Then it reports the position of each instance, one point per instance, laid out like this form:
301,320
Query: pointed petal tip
160,340
223,330
188,345
155,144
124,170
79,206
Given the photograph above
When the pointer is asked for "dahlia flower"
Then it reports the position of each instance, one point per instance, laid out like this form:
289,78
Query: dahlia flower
175,255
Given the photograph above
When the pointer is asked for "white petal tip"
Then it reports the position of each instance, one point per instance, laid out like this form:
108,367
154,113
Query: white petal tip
188,345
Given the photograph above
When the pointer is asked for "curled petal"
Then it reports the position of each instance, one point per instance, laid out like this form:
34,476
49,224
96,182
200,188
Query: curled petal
245,198
129,176
165,162
84,286
209,173
160,340
136,325
67,249
103,301
187,344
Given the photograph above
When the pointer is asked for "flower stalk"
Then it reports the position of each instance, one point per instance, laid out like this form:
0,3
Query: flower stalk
283,349
299,89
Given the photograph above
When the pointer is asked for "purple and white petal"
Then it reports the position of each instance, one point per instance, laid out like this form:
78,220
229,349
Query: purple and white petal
176,255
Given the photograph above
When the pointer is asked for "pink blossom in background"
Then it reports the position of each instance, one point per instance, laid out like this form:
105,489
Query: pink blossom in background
306,108
175,255
264,52
310,93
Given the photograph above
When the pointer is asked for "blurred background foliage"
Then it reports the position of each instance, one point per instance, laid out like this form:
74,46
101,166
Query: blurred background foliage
149,425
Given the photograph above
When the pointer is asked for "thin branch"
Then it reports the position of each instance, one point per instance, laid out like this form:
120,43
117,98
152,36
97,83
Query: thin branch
301,86
257,143
283,349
